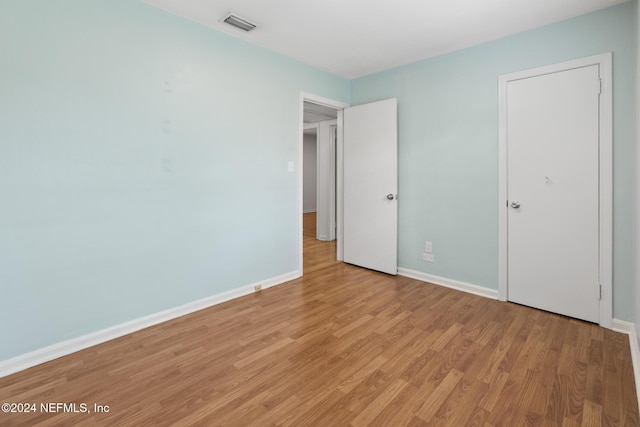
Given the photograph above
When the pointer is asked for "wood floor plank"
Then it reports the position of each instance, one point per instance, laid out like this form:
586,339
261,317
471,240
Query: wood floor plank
344,346
439,395
369,414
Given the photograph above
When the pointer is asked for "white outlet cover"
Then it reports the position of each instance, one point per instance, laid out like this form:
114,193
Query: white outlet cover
428,247
428,257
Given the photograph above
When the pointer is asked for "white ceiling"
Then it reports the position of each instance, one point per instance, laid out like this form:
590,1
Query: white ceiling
352,38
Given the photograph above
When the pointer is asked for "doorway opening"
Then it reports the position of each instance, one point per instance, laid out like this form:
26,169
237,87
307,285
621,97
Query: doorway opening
319,171
320,174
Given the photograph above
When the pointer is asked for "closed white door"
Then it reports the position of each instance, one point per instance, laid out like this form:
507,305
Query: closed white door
370,208
553,192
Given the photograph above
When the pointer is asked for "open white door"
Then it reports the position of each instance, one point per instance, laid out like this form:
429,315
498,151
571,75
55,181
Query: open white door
370,206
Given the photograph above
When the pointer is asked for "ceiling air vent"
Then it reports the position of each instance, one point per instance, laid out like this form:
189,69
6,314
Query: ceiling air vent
238,22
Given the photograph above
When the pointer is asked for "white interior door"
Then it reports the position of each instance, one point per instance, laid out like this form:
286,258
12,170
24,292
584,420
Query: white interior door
370,182
553,192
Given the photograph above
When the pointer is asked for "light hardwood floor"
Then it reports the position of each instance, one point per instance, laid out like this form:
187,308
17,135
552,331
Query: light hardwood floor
309,224
345,346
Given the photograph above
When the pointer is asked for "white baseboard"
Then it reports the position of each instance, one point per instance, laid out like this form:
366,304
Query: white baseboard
629,328
309,211
449,283
64,348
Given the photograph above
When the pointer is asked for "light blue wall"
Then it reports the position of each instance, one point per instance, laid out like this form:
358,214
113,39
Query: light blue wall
143,165
448,139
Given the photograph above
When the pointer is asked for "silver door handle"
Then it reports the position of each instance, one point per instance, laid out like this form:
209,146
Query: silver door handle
390,196
515,205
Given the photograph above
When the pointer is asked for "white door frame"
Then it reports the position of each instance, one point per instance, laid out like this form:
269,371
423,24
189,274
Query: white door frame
338,105
333,152
606,176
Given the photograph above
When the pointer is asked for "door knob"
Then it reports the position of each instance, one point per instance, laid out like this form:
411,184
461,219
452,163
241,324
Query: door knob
390,196
515,205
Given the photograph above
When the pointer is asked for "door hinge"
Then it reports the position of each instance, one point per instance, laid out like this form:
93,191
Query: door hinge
599,86
599,291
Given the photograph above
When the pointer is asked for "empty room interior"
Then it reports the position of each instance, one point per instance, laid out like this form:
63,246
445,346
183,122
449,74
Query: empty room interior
356,213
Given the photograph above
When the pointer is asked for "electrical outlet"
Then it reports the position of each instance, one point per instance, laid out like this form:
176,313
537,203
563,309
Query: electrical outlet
428,247
257,288
428,257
